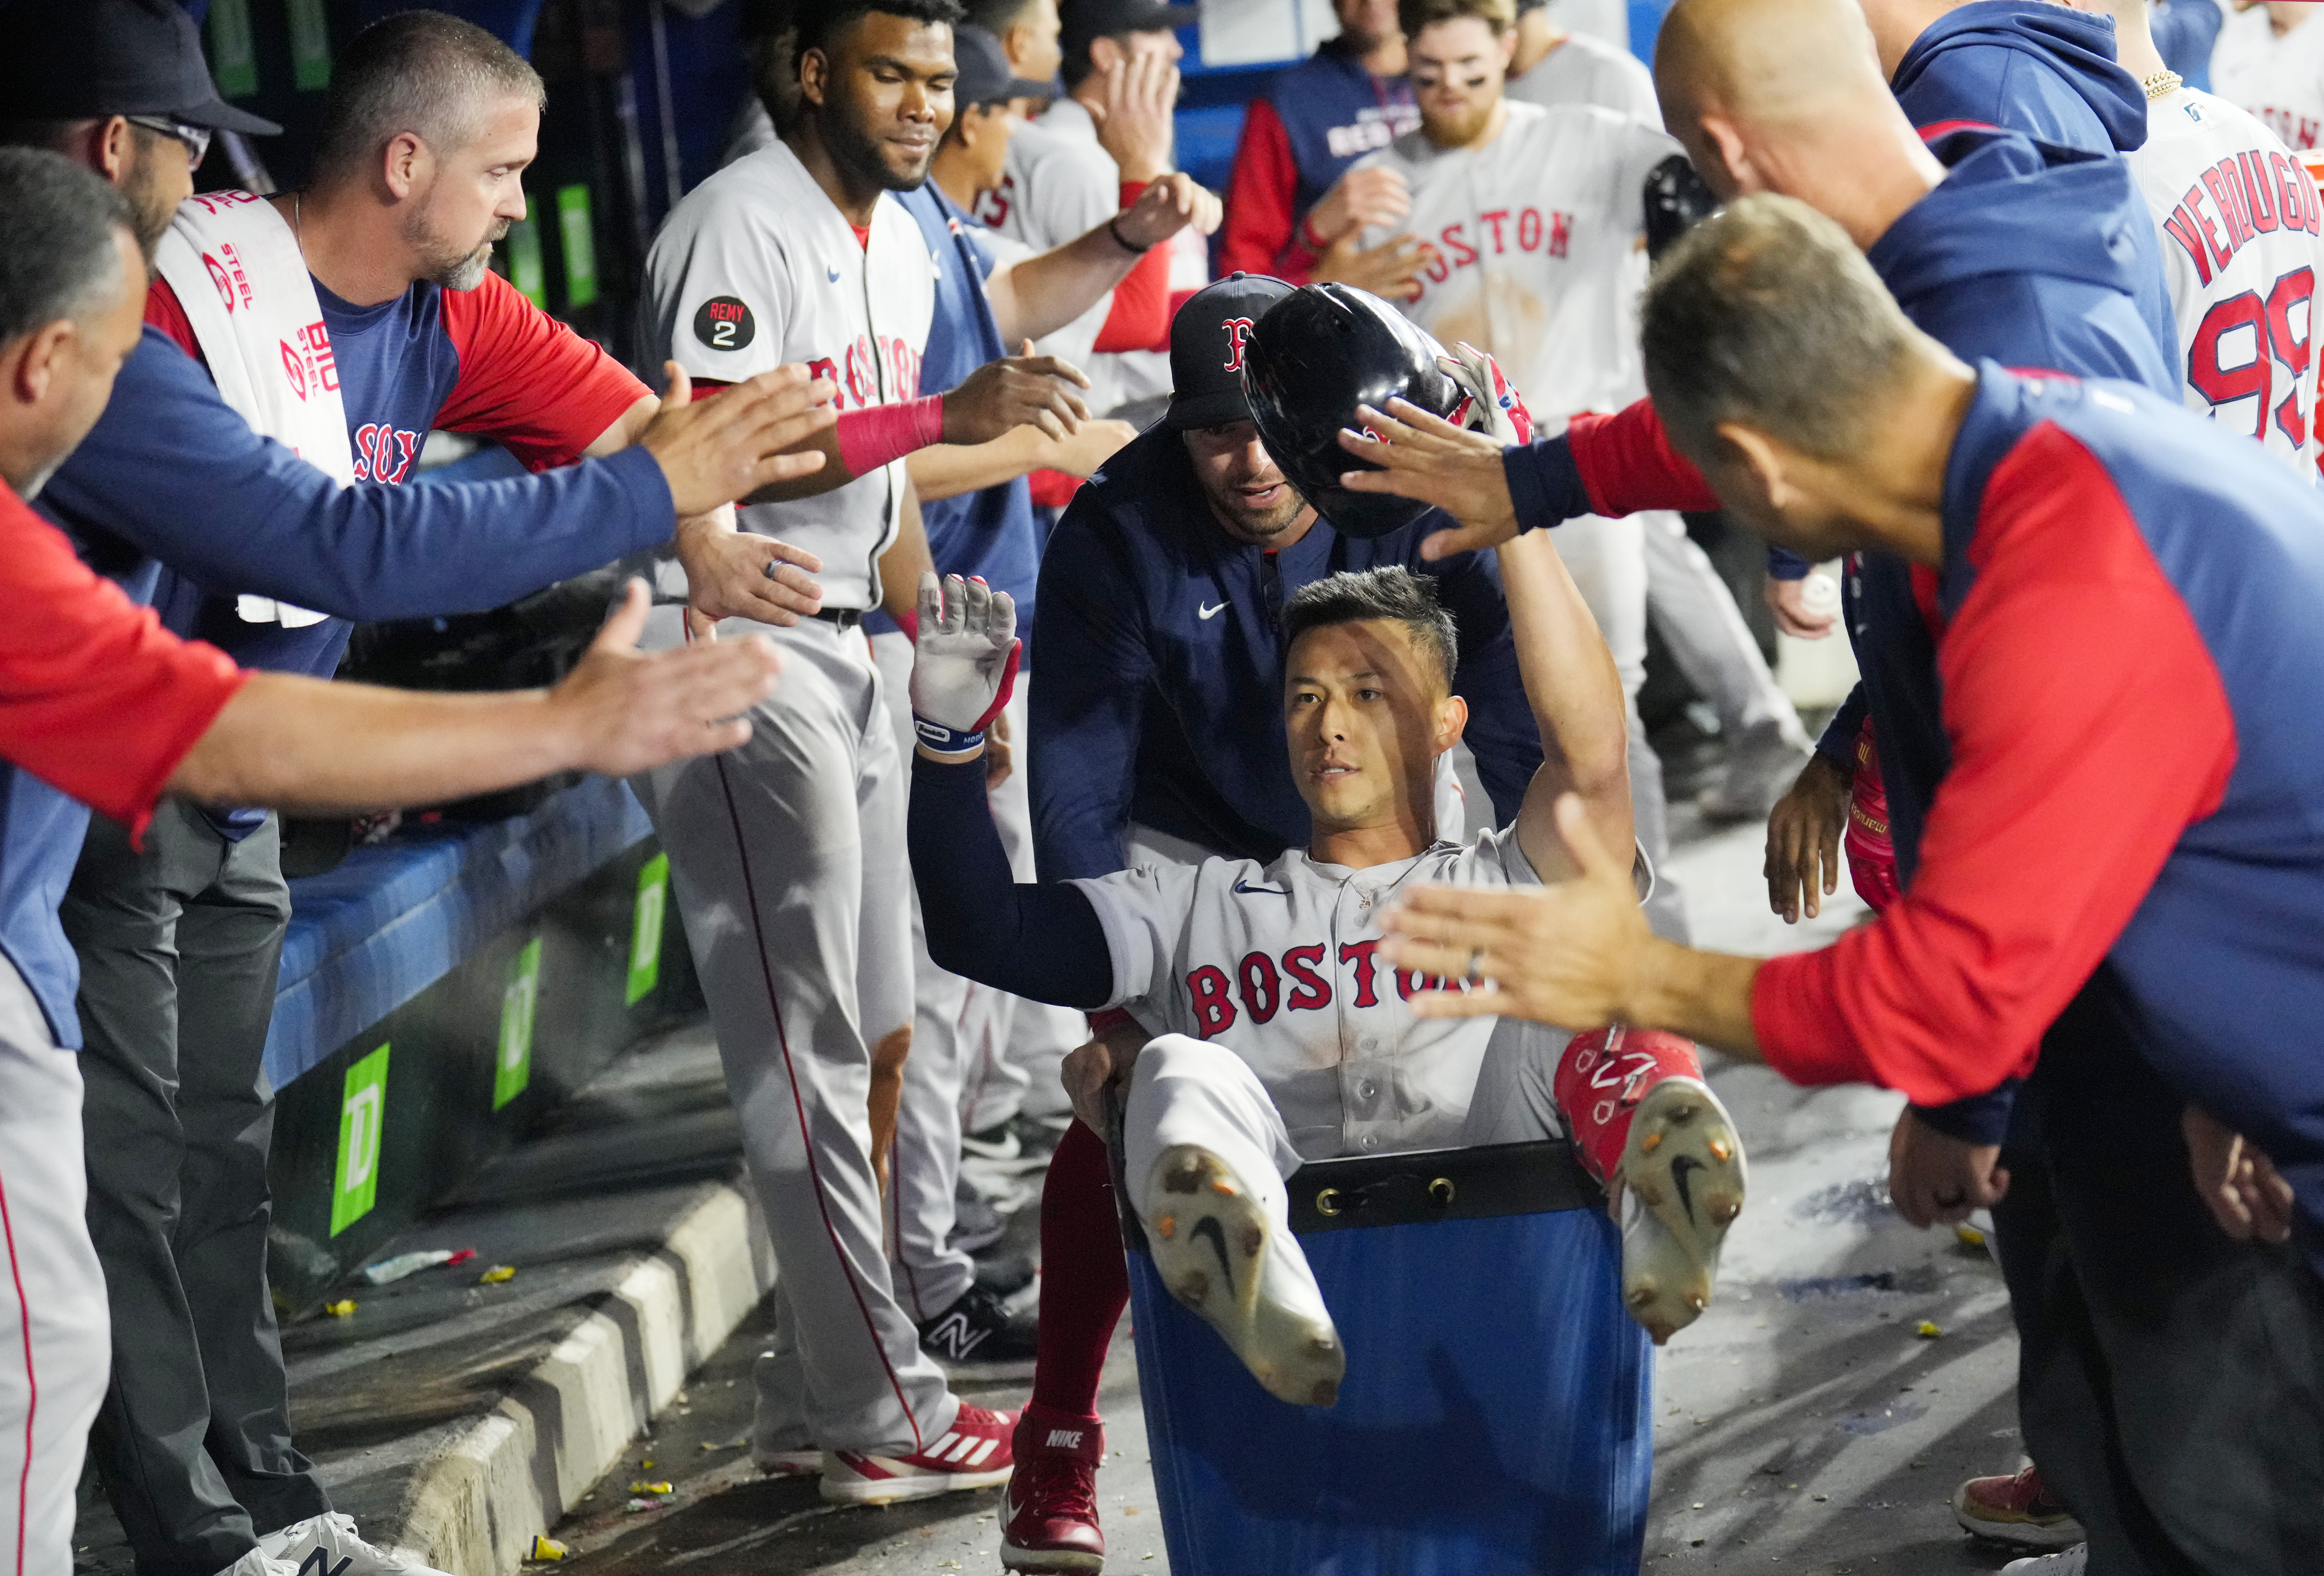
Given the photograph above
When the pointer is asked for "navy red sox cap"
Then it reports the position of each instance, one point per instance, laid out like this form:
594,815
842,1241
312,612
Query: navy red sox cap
76,59
1207,339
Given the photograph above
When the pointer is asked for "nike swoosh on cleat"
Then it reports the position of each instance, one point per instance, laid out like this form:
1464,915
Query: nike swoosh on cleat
1679,1168
1208,1226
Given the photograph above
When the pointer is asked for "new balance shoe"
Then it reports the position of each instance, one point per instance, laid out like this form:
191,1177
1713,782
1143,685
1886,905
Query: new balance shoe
329,1546
2017,1511
972,1453
1220,1255
1048,1517
978,1333
2073,1561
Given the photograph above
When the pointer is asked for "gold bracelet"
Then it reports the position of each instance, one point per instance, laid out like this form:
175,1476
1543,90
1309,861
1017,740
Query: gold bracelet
2163,81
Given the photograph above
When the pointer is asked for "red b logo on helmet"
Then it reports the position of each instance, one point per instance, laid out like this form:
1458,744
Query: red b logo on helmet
1238,329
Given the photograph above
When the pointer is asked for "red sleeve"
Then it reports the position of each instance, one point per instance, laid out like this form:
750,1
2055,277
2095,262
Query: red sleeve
96,699
2089,728
163,312
527,380
1259,195
1140,312
1626,464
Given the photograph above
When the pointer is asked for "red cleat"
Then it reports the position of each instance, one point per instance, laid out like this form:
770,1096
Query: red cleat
1049,1514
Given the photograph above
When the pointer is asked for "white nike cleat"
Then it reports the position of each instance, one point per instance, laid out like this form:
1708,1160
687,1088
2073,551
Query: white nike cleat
1682,1175
1220,1256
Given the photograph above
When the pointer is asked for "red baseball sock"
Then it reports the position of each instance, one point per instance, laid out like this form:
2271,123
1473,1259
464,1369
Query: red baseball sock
1084,1285
1601,1080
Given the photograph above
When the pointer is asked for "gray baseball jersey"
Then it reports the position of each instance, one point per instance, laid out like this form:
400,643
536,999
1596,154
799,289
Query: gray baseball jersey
1279,963
1584,70
1539,260
757,267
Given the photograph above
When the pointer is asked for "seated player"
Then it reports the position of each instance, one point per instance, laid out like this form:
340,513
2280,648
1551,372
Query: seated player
1280,1040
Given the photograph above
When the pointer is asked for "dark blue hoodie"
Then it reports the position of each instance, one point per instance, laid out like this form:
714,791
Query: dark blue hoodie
2027,64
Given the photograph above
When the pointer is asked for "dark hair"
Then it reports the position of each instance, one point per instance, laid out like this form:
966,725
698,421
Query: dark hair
1765,314
1412,15
995,16
57,255
1358,596
821,21
417,71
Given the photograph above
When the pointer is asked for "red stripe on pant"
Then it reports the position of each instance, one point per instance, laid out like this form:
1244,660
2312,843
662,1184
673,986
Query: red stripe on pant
31,1383
807,1138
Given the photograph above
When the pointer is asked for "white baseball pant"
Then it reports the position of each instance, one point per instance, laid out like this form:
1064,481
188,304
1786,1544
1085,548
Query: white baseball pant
56,1341
787,860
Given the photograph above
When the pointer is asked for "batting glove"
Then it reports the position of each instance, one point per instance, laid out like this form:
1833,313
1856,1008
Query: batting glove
1493,406
963,662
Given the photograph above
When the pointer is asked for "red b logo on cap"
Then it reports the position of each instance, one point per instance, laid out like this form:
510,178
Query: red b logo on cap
1238,329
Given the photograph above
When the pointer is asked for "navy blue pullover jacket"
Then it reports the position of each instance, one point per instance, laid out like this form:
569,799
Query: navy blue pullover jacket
1160,698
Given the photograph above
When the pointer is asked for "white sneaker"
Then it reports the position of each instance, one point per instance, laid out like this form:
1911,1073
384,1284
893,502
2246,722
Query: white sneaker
329,1546
1220,1255
2073,1561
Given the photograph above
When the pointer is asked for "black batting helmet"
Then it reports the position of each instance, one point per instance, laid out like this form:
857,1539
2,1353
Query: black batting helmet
1311,360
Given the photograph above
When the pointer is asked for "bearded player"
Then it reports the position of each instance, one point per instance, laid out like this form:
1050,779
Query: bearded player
1258,976
1537,218
786,855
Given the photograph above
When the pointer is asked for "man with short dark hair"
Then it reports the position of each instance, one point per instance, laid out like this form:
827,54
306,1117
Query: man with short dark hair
2106,873
99,702
788,856
976,1052
180,492
1152,737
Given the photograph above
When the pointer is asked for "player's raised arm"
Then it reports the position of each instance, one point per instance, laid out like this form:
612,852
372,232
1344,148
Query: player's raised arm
1036,939
1570,677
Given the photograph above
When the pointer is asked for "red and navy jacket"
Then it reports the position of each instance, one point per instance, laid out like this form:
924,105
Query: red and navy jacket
1321,115
2126,634
2019,255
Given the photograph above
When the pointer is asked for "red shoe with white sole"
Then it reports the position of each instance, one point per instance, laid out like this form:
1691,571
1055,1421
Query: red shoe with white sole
972,1453
1048,1517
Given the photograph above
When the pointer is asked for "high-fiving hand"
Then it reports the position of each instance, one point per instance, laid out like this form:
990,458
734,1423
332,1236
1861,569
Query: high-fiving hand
963,663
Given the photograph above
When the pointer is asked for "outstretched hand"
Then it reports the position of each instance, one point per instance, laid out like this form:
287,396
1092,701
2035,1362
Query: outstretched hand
1568,953
631,711
1422,455
1016,391
715,450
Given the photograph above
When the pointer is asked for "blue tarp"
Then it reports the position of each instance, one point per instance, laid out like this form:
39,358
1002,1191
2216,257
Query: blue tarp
1495,1420
391,921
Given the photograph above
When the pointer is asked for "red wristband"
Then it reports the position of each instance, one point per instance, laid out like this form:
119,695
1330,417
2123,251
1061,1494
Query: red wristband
878,434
